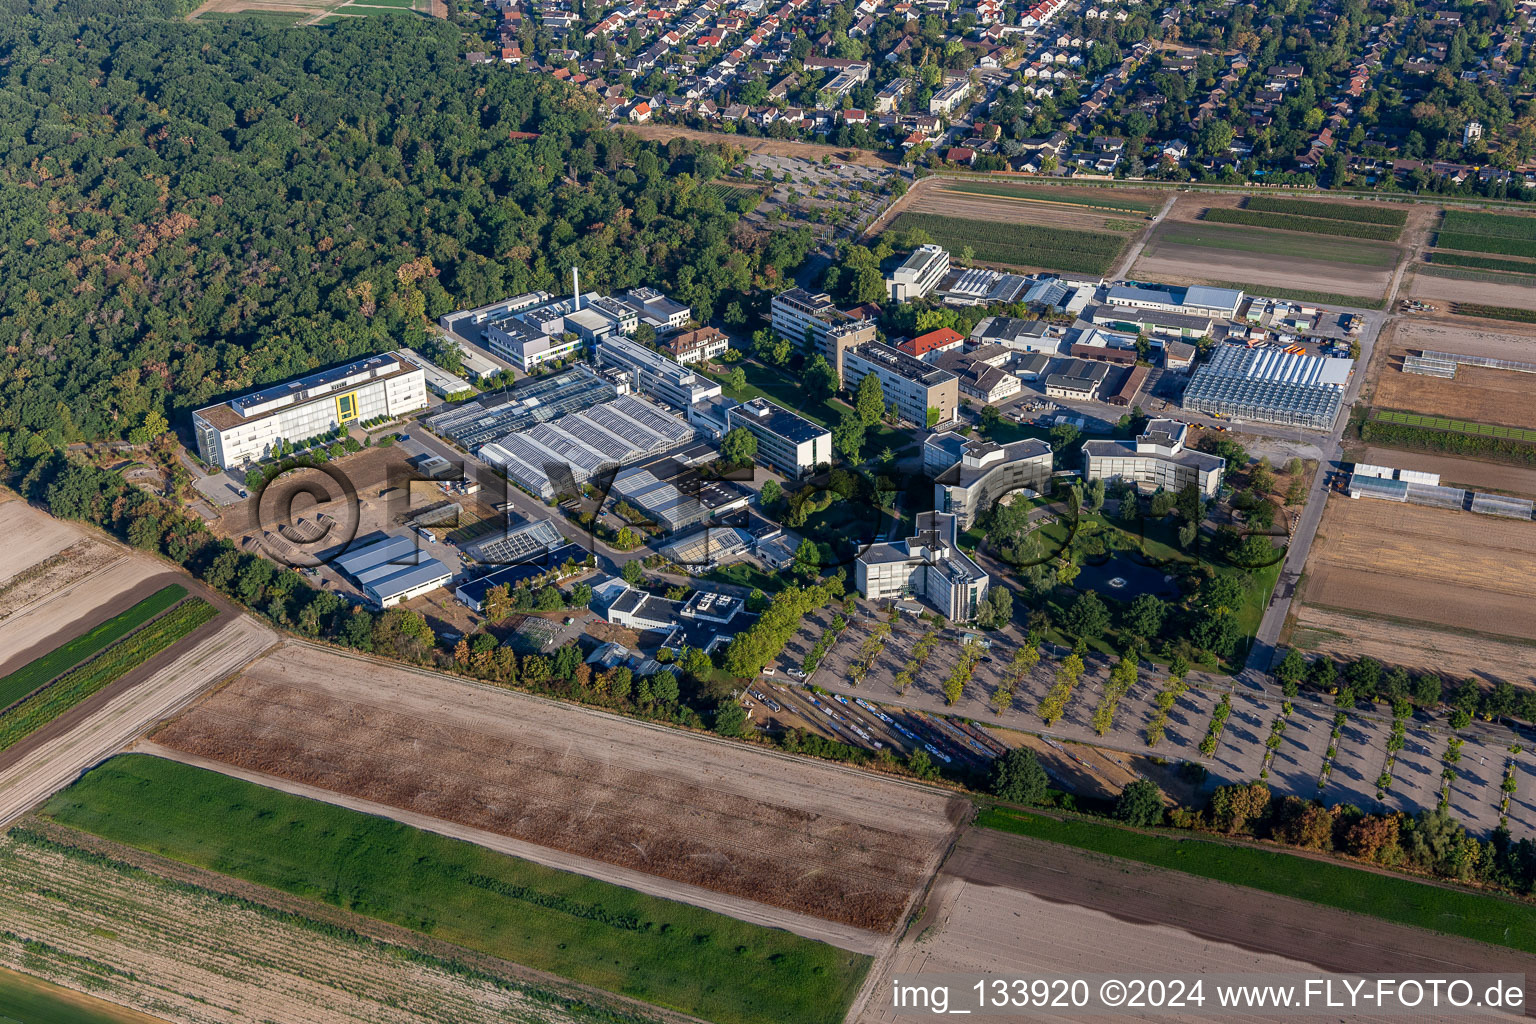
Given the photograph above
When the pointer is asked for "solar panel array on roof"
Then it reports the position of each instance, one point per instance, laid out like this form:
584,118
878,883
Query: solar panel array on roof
530,401
580,444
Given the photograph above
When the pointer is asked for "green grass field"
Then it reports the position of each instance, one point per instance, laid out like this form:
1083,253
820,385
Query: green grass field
1306,225
32,713
1049,248
665,953
1413,419
28,1000
1360,213
1403,900
1493,244
66,656
1064,196
1241,239
1493,224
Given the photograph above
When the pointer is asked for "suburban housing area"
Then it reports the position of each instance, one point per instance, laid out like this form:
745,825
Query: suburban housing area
742,512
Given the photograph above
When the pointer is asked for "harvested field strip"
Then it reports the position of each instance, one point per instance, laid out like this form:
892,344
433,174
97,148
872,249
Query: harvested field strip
1403,900
591,932
1511,313
66,656
1468,274
53,700
1414,419
1495,224
1374,214
1299,246
1485,243
1308,225
215,956
1458,259
1087,252
1051,196
24,998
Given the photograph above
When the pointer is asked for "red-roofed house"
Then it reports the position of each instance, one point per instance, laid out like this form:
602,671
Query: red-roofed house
960,155
930,346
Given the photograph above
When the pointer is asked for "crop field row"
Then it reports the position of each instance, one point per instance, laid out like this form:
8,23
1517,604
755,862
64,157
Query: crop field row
1309,225
1085,252
1403,900
190,946
1455,426
1402,435
44,705
1358,213
1461,259
1485,243
1510,313
1237,239
66,656
1063,196
1495,224
591,932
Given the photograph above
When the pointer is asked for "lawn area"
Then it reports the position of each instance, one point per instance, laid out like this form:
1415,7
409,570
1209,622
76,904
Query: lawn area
30,1000
743,574
66,656
32,713
1022,245
665,953
782,389
1276,243
1402,900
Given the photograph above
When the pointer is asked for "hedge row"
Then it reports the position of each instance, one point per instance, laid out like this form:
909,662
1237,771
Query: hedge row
1459,259
1311,225
1360,214
1403,436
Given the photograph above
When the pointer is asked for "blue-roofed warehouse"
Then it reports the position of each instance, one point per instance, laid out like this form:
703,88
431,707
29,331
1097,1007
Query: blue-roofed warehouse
392,570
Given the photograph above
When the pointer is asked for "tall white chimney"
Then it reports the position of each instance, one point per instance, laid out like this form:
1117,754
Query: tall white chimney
576,287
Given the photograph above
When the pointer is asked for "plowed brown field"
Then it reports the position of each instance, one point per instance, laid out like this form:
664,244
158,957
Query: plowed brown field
839,845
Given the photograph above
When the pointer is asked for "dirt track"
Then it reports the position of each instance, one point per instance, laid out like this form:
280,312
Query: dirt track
771,147
840,845
1007,903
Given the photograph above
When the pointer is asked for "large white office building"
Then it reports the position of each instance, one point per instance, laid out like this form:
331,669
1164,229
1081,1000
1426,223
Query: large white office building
654,374
910,384
970,475
788,443
1156,460
248,429
928,565
814,321
918,274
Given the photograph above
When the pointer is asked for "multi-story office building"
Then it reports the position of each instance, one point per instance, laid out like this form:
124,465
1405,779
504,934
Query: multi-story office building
969,474
1156,460
247,429
654,374
813,321
913,385
791,444
529,334
928,565
919,274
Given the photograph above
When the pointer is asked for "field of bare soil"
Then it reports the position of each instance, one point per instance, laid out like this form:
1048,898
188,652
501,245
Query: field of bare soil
1445,567
1477,393
1002,209
184,954
1414,646
31,537
810,839
1454,472
1012,906
1442,290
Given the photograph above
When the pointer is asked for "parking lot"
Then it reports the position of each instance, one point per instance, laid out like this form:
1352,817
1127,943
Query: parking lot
1295,769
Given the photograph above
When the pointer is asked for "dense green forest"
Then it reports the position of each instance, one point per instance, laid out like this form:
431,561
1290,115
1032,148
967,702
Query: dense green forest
191,209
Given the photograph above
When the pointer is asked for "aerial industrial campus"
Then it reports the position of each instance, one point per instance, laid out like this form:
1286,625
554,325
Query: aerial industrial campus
767,513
